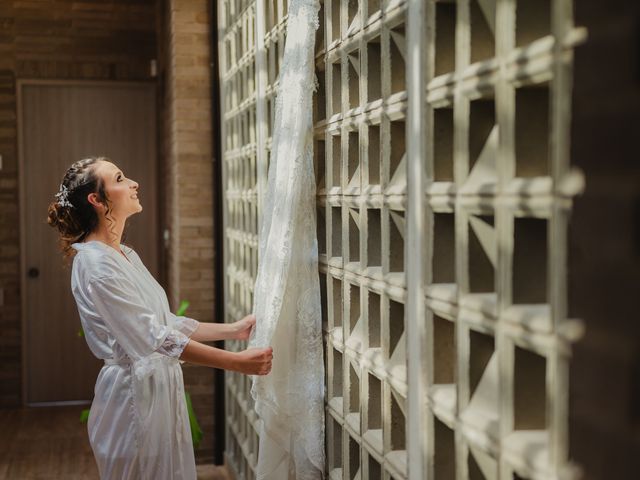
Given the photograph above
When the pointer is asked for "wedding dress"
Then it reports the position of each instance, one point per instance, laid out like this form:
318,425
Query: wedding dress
290,400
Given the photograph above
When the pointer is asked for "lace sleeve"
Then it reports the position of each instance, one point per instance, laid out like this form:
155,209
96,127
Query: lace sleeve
185,325
174,344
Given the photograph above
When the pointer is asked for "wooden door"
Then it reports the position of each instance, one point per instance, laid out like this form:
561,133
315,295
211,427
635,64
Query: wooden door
59,124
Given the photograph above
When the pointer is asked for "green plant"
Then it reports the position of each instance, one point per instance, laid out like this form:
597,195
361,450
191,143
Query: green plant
184,304
196,431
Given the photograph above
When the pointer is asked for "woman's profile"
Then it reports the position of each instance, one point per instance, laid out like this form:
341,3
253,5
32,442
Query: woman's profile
138,424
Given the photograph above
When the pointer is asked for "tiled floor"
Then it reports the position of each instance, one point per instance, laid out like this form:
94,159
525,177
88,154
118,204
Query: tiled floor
50,444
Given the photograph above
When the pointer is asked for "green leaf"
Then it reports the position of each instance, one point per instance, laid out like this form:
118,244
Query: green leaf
84,415
196,431
184,304
81,332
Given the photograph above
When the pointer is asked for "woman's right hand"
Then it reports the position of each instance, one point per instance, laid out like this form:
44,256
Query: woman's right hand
254,361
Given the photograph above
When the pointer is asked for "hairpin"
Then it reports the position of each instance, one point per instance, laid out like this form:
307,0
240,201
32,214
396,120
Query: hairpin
62,196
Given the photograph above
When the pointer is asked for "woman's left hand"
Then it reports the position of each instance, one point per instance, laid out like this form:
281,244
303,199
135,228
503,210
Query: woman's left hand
242,328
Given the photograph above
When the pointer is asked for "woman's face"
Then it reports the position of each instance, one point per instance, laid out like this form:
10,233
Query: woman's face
121,191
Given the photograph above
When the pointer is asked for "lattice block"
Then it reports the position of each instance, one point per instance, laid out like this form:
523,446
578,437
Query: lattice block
335,70
334,451
335,304
322,230
371,69
335,221
482,148
321,35
481,465
354,334
320,99
372,147
444,352
445,452
395,174
336,386
395,227
319,163
353,226
333,18
394,348
324,299
443,262
372,320
482,256
354,16
445,32
397,54
529,393
334,166
353,472
480,412
394,435
530,260
443,145
373,240
351,164
372,407
533,20
352,71
373,8
373,469
482,21
532,131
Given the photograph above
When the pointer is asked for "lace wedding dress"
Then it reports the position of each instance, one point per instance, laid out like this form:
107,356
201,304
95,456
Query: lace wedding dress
290,400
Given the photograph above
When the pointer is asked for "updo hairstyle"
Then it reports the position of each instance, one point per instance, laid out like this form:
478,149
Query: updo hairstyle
74,222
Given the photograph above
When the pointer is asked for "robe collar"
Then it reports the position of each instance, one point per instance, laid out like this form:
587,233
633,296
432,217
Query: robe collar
97,243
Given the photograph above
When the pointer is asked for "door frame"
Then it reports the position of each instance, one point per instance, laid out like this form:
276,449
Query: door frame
20,83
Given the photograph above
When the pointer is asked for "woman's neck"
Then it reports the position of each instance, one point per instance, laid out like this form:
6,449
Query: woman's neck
111,237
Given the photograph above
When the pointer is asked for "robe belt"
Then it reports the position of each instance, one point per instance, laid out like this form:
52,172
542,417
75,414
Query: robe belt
113,361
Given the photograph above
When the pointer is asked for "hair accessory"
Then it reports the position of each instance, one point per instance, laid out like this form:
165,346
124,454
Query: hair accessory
62,196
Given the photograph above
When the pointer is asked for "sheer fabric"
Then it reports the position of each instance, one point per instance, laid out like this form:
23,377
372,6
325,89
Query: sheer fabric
290,400
138,423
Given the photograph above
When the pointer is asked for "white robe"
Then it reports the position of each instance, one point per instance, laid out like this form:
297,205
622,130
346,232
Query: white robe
138,424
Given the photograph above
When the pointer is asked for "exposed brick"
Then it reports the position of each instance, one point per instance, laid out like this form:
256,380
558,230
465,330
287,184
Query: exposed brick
186,118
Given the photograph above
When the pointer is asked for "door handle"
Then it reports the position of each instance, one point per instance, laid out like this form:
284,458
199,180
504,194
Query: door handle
33,272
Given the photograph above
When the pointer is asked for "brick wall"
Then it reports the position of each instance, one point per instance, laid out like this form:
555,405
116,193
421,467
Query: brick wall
184,66
54,40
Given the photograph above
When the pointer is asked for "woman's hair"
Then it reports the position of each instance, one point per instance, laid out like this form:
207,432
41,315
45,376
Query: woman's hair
77,221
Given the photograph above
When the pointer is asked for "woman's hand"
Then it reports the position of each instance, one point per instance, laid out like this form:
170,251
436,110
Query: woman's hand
241,330
253,361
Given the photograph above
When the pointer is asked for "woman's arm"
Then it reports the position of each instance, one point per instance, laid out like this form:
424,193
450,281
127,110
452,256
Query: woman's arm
240,330
253,361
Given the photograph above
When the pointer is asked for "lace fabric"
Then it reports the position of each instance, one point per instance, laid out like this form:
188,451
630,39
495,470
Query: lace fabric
185,325
290,400
173,344
171,347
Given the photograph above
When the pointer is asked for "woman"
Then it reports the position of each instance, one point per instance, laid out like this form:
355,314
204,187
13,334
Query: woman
138,424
